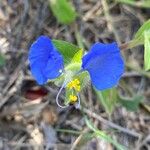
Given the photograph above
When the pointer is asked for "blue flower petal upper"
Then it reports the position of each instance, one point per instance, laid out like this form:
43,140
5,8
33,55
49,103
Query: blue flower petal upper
45,61
104,64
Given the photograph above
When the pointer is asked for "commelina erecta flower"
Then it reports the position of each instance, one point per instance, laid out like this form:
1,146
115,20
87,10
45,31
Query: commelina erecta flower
45,60
103,62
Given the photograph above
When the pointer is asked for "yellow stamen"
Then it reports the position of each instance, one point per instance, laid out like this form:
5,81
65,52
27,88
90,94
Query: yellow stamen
72,98
78,88
74,84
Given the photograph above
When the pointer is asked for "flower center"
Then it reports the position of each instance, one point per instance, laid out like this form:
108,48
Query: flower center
74,84
73,99
74,87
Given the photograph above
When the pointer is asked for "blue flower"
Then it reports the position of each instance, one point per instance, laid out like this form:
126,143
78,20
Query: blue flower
104,64
45,60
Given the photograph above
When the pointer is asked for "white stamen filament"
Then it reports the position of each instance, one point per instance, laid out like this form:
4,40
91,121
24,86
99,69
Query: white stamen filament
79,103
57,97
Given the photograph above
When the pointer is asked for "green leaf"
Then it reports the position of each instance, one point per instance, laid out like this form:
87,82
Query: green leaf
63,11
131,2
108,98
147,50
104,136
139,37
142,3
78,56
140,33
2,60
67,49
131,104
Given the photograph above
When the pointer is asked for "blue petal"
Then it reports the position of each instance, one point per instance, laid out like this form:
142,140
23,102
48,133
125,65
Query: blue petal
45,61
104,64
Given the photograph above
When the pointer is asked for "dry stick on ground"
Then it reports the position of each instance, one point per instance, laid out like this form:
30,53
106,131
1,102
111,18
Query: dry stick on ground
139,146
109,20
38,146
111,124
90,13
10,89
75,144
9,92
23,19
131,74
13,78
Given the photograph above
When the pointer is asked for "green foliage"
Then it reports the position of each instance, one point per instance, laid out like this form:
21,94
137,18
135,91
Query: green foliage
147,50
104,136
108,98
140,33
131,104
139,38
126,1
143,36
78,57
67,49
72,59
2,60
141,3
63,11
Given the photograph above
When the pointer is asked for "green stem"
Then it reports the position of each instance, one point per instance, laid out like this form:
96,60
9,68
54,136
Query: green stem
131,44
144,4
69,131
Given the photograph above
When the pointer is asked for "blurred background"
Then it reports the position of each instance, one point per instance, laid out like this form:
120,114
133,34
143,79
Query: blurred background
29,116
